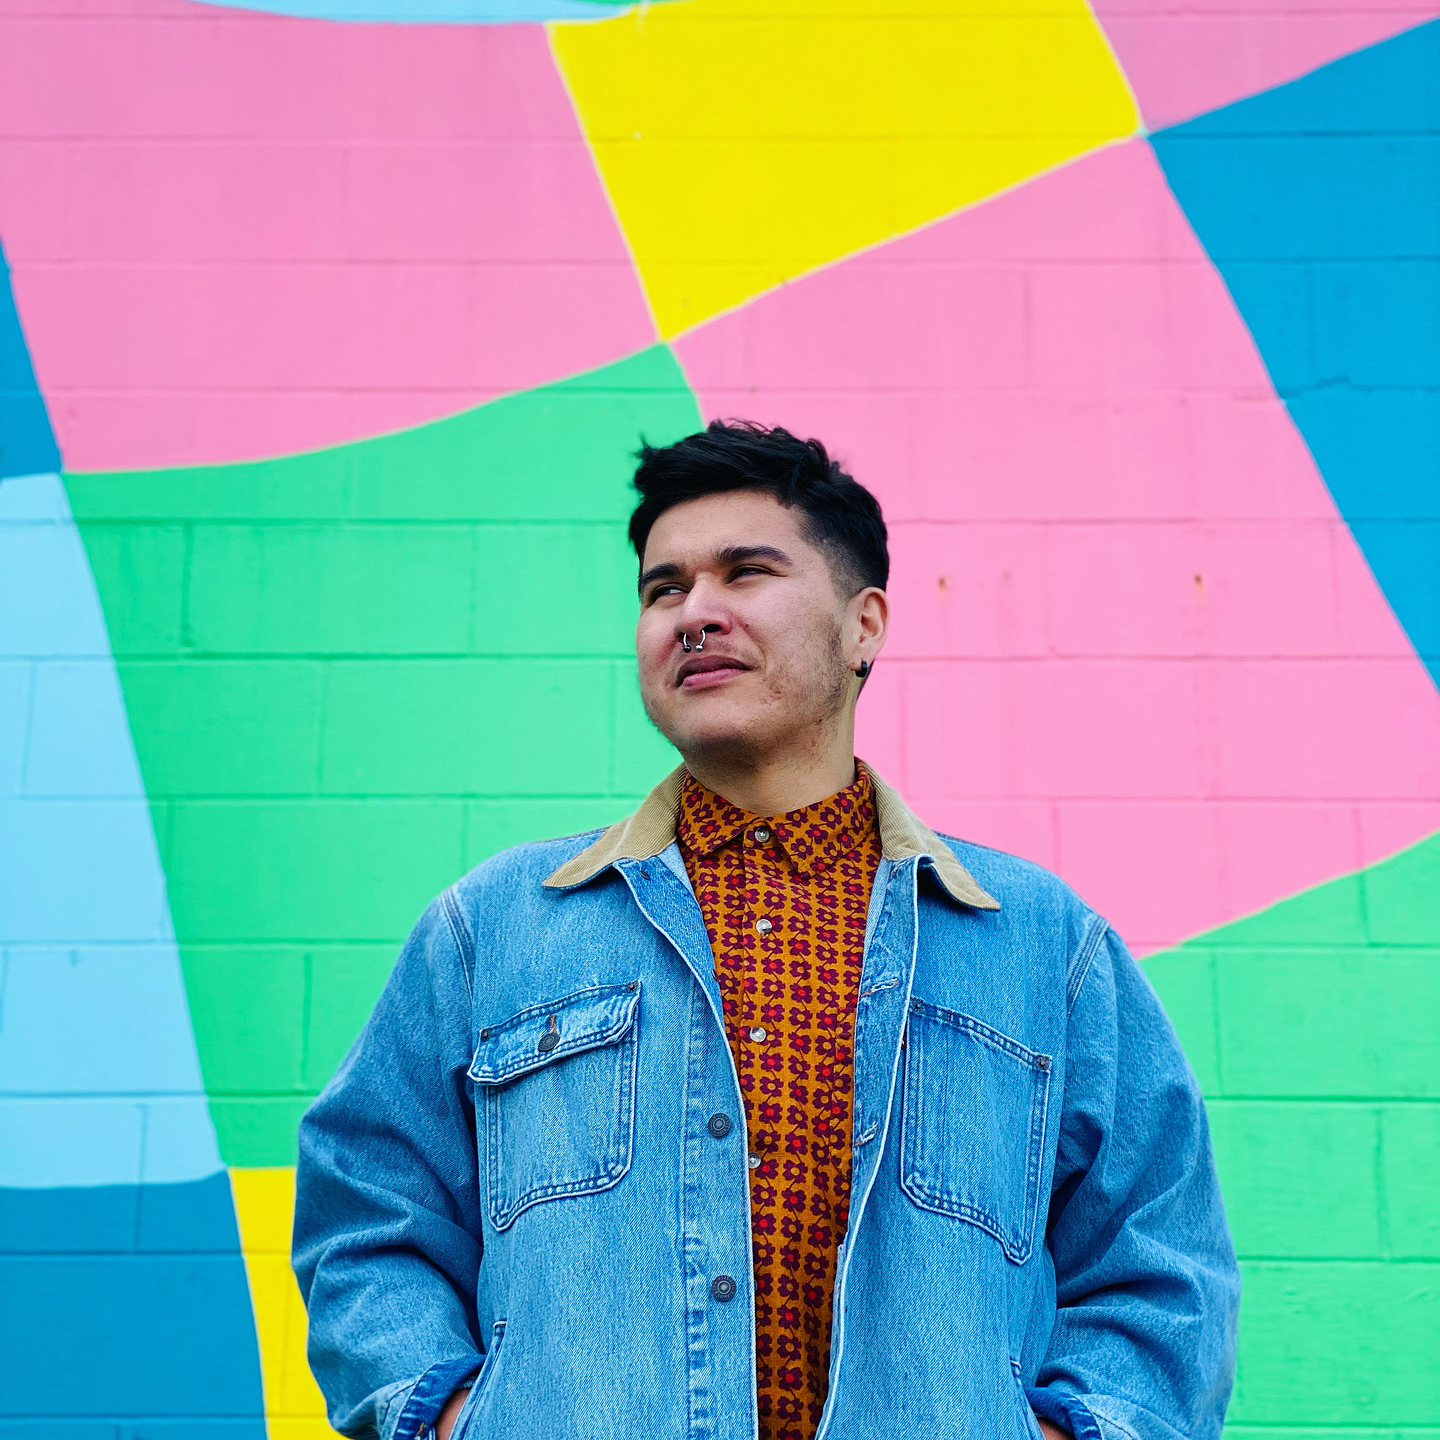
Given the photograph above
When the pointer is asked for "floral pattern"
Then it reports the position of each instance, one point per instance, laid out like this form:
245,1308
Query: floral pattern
785,902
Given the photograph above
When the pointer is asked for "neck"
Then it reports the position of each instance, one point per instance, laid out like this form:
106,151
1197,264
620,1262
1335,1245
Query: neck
775,783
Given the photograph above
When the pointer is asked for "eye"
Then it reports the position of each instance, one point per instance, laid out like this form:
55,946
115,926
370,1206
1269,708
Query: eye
660,591
740,570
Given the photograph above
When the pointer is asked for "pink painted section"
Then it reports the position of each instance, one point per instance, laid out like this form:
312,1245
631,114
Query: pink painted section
1183,59
237,235
1132,639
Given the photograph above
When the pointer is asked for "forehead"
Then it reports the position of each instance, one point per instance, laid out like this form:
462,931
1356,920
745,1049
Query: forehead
692,532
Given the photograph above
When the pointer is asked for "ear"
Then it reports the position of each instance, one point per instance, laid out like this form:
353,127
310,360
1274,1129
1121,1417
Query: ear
870,619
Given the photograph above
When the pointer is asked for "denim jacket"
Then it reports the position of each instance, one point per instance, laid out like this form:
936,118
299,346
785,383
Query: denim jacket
511,1181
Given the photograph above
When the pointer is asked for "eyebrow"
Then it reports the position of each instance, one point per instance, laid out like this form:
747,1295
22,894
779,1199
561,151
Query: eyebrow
729,555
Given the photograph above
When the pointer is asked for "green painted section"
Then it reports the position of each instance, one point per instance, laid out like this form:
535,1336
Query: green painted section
353,675
1314,1028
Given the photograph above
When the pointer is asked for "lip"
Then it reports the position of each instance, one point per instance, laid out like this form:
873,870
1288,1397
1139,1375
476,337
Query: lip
701,672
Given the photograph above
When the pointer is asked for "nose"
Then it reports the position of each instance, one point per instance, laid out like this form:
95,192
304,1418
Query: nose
701,616
695,640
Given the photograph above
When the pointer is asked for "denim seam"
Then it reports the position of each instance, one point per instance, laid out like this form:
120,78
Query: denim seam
1019,1246
1085,953
460,933
1066,1402
576,1045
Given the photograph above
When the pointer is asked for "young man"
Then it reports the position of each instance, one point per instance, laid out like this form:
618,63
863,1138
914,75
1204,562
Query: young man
766,1111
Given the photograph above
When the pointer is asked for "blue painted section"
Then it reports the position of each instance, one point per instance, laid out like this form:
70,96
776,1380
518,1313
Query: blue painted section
433,12
27,443
122,1303
100,1082
194,1218
1319,201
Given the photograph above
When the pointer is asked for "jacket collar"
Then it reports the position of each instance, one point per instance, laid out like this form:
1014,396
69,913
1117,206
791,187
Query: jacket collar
903,836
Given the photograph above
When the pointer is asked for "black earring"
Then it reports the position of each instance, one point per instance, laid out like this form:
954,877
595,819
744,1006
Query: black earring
864,669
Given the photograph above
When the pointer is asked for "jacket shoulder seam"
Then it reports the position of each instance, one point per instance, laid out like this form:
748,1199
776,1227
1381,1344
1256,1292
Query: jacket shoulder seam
460,933
1080,962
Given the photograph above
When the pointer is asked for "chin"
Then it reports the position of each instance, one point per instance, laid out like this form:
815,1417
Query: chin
729,734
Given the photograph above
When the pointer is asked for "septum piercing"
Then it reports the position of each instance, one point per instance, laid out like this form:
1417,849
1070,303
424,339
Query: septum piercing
687,647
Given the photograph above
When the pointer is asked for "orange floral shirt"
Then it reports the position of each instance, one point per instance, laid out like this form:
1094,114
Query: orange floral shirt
785,903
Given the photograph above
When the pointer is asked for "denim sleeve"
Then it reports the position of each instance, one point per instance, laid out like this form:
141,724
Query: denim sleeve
1147,1289
387,1227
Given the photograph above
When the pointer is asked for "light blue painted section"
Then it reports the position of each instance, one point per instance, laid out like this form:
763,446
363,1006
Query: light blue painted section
79,733
15,685
100,1083
72,1015
79,872
432,12
47,1144
1319,201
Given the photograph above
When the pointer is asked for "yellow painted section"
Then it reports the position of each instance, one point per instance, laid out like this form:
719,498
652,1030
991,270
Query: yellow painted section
744,143
265,1209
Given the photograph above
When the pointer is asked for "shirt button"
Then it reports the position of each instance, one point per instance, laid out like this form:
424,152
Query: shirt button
722,1287
718,1125
759,1033
761,834
754,1162
763,926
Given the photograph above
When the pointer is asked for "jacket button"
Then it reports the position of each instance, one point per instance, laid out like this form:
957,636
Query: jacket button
722,1287
718,1125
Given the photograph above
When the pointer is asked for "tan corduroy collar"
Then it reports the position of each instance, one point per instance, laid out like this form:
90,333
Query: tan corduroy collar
652,828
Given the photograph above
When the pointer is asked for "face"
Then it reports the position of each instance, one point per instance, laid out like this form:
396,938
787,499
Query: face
775,674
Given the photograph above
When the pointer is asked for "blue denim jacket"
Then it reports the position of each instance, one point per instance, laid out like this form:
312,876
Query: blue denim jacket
511,1179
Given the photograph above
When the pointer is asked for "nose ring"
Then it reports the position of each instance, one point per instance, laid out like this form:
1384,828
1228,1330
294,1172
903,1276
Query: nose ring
687,647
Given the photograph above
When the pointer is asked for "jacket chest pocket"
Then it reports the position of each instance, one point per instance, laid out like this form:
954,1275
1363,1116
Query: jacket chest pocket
973,1124
556,1106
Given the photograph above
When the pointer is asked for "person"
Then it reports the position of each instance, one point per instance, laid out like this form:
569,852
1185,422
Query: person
766,1111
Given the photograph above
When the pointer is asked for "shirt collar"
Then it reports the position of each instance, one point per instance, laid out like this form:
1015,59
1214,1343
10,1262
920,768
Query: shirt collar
651,829
814,834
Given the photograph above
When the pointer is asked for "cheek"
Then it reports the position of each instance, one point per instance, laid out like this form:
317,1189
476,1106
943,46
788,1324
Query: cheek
652,645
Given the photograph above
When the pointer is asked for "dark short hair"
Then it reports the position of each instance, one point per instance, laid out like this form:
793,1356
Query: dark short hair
841,517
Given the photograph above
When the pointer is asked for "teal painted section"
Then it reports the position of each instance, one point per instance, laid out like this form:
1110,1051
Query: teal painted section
123,1302
27,443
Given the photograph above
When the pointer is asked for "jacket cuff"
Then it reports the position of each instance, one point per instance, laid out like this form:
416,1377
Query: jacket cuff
1061,1408
431,1391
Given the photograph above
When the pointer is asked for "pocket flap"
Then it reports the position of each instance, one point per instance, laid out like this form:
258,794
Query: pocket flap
554,1030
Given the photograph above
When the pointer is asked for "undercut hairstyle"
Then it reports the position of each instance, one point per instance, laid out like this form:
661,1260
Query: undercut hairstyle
841,518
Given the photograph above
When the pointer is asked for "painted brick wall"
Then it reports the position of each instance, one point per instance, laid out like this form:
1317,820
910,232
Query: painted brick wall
324,348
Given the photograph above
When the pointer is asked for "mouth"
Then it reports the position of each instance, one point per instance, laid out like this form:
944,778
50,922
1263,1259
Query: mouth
701,672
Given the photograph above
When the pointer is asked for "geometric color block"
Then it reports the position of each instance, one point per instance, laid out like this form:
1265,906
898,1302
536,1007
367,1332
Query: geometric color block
265,1209
99,1077
1320,204
1182,60
718,137
431,12
1301,1023
27,444
410,224
1132,638
370,668
157,1291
